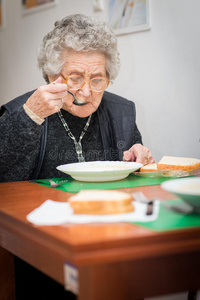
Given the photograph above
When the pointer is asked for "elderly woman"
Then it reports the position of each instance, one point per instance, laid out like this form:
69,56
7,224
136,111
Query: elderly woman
71,118
47,127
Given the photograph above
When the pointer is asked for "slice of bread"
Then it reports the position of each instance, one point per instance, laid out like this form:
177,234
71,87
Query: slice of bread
178,163
173,163
149,168
101,202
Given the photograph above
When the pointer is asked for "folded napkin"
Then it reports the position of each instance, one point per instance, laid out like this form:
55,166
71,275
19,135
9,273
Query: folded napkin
57,213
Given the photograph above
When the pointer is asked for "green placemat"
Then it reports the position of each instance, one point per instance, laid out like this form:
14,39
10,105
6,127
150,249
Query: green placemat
170,220
167,219
74,186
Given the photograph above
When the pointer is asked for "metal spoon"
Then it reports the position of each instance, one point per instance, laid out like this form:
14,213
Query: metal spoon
76,101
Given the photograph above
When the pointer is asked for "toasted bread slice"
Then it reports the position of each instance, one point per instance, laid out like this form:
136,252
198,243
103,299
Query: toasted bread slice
100,202
178,163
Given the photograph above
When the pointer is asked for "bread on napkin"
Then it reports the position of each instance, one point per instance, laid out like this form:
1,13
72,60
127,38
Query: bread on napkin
101,202
173,163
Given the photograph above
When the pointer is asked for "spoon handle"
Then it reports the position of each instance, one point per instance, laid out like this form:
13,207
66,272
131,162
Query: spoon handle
76,101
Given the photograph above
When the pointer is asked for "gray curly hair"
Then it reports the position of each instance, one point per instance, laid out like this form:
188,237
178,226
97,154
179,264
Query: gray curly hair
80,33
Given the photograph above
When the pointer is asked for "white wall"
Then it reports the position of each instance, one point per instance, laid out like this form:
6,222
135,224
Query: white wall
160,68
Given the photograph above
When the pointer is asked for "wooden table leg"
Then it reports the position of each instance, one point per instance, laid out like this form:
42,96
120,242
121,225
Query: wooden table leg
103,282
7,275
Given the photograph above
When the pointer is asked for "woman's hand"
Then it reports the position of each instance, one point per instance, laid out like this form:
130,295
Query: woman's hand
48,99
140,154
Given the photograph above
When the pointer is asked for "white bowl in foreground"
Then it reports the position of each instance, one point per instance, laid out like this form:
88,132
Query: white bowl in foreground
99,171
187,189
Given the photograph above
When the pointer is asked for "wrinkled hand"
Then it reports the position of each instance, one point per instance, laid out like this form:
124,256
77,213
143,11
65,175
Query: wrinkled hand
48,99
140,154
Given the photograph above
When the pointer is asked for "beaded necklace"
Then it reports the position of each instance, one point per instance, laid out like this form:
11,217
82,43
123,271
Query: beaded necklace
78,146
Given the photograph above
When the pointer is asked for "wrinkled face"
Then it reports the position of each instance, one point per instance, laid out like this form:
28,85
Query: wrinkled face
87,65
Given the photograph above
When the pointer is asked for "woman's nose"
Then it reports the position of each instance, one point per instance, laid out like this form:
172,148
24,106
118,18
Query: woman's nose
86,91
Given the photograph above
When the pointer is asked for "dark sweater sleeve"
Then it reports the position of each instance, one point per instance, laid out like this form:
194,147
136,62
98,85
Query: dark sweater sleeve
19,145
137,136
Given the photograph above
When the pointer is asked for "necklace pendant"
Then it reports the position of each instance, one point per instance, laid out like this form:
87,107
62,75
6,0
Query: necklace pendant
79,151
80,158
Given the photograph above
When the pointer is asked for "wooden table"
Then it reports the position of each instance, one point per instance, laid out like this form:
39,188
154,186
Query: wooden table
115,261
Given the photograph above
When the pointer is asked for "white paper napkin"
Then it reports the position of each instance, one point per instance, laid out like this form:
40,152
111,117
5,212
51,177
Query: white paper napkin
57,213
